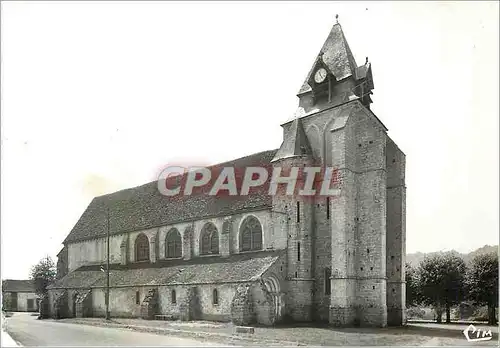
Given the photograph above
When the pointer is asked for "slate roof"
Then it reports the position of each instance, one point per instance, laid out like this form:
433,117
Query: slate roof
361,71
295,142
200,270
13,285
337,56
145,207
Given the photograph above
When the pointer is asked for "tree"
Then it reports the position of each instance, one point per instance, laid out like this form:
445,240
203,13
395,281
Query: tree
412,286
482,282
441,279
42,274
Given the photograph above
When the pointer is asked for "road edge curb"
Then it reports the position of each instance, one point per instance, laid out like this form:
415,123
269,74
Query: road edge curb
12,343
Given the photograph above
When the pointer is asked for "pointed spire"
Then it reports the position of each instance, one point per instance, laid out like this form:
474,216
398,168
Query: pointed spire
337,56
295,143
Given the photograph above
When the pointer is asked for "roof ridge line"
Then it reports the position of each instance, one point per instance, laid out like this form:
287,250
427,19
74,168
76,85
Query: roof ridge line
209,166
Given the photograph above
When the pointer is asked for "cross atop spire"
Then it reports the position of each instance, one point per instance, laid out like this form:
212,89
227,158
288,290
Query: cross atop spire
337,18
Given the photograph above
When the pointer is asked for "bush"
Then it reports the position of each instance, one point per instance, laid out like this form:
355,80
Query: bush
480,314
415,313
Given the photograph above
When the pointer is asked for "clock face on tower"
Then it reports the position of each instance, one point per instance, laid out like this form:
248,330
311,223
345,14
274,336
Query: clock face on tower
320,75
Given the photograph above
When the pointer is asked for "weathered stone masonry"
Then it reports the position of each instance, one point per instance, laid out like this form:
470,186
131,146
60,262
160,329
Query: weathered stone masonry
261,258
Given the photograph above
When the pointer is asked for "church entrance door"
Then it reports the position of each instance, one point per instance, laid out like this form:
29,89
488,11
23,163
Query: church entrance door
273,287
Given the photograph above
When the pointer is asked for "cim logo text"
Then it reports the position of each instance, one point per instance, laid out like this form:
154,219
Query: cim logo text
474,334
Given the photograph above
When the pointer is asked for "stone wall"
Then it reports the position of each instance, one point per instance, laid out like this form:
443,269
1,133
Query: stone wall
124,250
351,139
122,301
396,235
323,259
248,303
84,304
243,303
149,306
370,145
94,251
220,311
193,304
44,307
196,302
299,298
187,243
72,295
177,309
241,306
62,263
299,214
6,301
342,225
226,237
60,305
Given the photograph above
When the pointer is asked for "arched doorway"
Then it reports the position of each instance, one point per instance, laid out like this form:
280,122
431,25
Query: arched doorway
273,288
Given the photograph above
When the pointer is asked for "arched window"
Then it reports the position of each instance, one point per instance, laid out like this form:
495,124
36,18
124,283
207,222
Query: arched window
173,244
250,234
209,239
215,297
174,297
142,248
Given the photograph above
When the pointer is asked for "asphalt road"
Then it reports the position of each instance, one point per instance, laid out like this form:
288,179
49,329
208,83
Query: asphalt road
29,331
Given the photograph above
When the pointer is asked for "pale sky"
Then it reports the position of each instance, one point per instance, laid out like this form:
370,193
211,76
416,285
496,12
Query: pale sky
98,97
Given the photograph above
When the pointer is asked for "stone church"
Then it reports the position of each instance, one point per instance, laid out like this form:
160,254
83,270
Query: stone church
259,258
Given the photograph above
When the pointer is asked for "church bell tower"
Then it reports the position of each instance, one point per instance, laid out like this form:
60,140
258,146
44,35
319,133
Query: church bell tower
346,253
335,77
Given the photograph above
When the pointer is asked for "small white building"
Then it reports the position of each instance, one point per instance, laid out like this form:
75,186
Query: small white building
19,296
